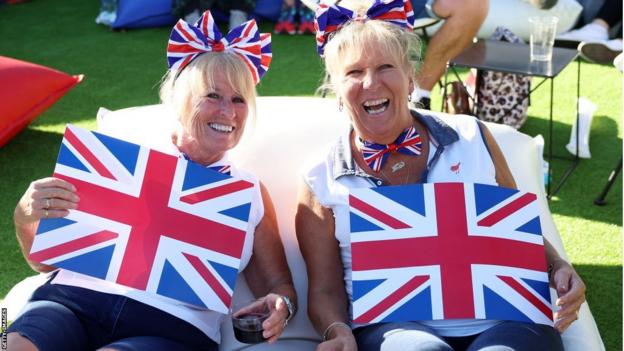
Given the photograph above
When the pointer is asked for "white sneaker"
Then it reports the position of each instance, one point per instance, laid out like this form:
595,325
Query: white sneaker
542,4
588,33
603,52
192,17
106,18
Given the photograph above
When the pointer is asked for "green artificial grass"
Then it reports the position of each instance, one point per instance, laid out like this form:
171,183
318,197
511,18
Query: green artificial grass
123,69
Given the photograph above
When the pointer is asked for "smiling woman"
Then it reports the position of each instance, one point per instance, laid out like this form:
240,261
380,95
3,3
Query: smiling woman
373,88
210,87
367,46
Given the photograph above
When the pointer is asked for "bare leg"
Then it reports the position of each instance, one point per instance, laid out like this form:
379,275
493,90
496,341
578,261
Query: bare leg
16,342
463,19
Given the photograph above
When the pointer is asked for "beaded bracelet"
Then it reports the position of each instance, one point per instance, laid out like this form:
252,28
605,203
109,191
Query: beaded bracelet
331,326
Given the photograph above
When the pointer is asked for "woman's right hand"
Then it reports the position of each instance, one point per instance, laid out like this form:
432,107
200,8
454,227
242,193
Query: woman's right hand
343,340
45,198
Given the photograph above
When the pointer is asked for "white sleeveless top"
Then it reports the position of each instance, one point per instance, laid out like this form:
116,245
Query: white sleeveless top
205,320
457,153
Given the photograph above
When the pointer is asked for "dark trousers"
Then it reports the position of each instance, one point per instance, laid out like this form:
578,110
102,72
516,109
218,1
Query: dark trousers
506,336
611,12
69,318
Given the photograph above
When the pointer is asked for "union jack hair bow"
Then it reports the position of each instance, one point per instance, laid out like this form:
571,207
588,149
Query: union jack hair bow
330,17
189,41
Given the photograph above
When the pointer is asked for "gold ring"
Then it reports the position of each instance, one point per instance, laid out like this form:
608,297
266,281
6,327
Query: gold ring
46,213
47,206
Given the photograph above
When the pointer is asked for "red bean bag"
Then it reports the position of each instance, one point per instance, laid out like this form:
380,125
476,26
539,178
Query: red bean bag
26,90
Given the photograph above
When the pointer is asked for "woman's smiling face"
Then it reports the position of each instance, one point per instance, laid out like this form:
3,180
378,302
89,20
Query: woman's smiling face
218,124
373,87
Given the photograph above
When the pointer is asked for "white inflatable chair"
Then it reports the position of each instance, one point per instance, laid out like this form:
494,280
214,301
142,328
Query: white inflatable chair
286,131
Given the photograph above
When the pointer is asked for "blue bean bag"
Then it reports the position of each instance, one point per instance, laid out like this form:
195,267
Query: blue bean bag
268,9
143,13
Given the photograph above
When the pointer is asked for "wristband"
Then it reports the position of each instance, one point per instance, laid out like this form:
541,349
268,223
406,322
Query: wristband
331,326
289,306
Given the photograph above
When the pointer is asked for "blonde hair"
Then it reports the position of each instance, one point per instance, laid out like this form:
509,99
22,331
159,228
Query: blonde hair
183,90
355,36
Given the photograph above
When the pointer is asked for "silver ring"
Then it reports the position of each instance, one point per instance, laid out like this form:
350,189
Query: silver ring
46,213
47,206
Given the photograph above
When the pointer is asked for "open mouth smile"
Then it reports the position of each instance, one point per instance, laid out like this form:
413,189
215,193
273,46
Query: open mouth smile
375,107
221,128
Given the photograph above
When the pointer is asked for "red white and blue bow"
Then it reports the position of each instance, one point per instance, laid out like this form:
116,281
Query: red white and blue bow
187,42
408,143
330,17
225,169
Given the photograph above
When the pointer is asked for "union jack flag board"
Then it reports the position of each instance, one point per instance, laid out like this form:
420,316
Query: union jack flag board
147,220
447,251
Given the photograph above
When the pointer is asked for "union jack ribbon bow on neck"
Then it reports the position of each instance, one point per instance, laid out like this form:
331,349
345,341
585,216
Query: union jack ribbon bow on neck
408,143
189,41
330,17
224,169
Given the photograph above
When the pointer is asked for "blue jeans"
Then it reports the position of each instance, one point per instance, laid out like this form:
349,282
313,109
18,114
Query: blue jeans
414,336
61,317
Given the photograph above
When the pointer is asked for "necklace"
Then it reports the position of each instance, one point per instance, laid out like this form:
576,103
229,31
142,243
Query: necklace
397,168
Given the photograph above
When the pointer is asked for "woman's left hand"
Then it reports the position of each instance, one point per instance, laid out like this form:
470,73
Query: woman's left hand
275,324
570,291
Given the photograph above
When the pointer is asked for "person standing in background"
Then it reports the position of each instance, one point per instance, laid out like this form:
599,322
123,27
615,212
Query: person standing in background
190,10
295,18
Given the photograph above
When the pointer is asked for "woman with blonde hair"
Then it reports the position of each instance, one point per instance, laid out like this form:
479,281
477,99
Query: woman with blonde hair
369,53
211,89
